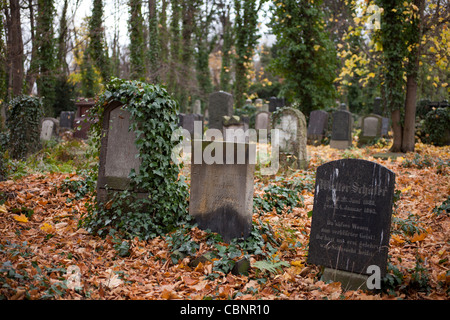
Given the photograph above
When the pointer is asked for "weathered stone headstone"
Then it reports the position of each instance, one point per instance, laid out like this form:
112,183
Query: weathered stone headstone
317,125
234,129
259,103
371,128
81,122
221,196
385,125
66,119
220,104
248,101
186,121
117,152
291,124
351,218
341,133
48,129
262,121
197,109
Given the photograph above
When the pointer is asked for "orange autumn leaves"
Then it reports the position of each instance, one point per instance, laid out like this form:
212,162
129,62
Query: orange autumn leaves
35,210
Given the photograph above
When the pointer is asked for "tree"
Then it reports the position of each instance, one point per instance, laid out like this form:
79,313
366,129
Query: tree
97,45
227,38
153,43
46,57
14,45
137,43
305,56
246,38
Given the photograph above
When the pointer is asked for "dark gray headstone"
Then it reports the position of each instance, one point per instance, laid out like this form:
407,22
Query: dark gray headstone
341,134
221,196
377,108
117,152
351,220
385,125
66,119
317,125
186,121
220,104
276,103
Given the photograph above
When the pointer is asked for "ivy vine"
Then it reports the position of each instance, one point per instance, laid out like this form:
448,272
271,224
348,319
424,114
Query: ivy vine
154,118
25,113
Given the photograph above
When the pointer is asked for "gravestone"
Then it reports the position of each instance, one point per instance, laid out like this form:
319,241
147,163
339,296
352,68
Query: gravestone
186,121
49,128
341,132
197,109
317,125
351,218
291,124
275,103
81,121
248,102
385,125
259,103
371,128
66,119
234,129
262,121
220,104
117,152
377,107
221,196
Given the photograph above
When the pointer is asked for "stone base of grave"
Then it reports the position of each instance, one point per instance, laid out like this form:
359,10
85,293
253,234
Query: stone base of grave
340,144
348,280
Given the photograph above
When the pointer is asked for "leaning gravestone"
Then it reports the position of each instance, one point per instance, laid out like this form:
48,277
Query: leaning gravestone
317,125
291,124
118,152
341,132
220,104
221,196
351,220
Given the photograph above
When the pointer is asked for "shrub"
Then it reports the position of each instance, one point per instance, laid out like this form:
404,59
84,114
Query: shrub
435,127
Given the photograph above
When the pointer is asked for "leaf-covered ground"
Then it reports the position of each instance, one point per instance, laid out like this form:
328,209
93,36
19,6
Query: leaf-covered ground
42,250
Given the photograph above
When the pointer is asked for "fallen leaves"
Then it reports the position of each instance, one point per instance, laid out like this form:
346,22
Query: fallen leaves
41,242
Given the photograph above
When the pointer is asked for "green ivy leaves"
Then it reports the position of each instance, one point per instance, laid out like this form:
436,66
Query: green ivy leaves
154,118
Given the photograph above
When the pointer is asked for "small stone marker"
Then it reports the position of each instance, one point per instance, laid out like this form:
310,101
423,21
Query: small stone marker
220,104
47,130
341,134
221,197
371,128
351,220
117,152
197,109
317,125
262,120
291,124
275,103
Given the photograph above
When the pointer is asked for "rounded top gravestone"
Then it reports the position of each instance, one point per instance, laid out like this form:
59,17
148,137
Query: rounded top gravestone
351,218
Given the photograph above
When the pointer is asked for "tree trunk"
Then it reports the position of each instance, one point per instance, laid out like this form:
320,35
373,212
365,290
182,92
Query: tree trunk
15,48
397,130
408,140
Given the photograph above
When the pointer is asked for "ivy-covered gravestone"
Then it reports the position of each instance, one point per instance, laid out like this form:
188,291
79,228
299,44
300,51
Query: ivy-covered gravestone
23,124
139,192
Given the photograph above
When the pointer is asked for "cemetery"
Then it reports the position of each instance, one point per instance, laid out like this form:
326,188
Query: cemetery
248,188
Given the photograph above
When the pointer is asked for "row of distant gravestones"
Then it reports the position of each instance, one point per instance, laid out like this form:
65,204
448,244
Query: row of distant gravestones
351,219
